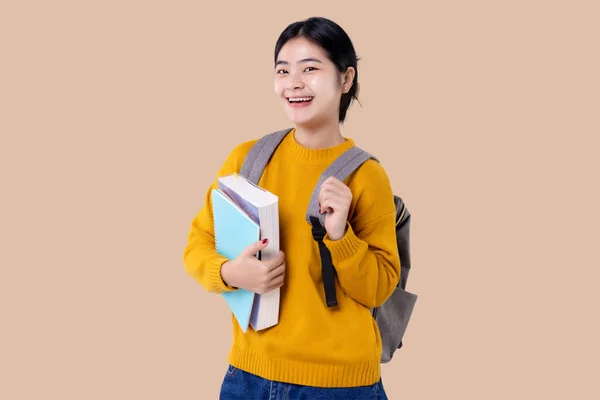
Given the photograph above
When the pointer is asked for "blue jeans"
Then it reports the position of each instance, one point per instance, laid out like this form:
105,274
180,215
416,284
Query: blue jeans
241,385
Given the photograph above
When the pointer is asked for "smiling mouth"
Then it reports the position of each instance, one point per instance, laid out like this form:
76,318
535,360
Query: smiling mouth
295,100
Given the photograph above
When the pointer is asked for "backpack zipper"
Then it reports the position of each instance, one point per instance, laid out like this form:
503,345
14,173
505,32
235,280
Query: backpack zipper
401,215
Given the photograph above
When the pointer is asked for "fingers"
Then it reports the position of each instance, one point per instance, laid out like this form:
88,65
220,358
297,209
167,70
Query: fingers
274,273
272,280
255,247
328,201
335,184
332,191
336,190
325,198
278,270
276,283
330,205
275,261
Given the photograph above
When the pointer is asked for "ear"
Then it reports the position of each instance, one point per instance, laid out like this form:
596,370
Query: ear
348,79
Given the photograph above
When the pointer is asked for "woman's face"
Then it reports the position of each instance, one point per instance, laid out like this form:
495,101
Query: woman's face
308,83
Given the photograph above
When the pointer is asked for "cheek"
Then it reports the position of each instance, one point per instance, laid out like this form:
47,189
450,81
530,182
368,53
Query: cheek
278,87
315,84
326,89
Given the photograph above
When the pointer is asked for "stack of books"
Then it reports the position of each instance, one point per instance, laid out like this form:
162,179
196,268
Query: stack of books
245,213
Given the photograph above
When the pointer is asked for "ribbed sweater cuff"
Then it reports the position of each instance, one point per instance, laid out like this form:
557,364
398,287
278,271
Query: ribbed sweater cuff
345,247
214,273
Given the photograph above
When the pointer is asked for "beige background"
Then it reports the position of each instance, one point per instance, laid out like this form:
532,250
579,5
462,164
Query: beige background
115,116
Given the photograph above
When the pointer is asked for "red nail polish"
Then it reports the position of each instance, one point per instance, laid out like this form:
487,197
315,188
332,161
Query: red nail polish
264,241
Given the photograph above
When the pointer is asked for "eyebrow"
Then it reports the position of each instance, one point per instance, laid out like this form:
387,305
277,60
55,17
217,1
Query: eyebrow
299,61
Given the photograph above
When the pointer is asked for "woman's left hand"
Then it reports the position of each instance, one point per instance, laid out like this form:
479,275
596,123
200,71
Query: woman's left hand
334,200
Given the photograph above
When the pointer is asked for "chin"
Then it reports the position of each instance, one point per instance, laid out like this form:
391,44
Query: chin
299,121
301,118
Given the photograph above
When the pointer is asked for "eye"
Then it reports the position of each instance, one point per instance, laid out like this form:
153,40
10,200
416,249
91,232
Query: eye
281,71
307,68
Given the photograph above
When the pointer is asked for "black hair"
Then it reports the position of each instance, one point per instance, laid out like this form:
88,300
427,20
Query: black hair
336,43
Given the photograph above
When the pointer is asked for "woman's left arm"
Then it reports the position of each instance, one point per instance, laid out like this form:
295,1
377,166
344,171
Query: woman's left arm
363,248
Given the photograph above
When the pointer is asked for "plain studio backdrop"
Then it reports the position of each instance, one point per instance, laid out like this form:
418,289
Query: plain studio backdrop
116,115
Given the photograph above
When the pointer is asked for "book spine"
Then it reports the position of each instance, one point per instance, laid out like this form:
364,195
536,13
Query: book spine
214,219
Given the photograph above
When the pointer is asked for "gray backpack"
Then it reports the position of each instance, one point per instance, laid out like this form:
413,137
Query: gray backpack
393,315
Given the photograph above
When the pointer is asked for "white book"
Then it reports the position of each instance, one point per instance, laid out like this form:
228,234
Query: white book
263,207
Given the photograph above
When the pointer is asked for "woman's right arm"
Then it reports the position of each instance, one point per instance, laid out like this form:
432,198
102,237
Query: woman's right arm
200,258
205,265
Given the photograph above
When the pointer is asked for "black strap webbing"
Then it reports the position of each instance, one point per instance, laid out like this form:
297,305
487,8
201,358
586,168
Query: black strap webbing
327,268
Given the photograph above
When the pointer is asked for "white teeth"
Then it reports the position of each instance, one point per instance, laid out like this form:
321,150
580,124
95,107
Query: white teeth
295,99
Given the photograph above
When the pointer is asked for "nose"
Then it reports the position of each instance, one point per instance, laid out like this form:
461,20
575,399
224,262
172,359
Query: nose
294,82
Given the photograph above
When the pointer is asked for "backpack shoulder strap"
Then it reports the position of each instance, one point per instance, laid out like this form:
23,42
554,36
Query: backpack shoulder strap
259,155
341,168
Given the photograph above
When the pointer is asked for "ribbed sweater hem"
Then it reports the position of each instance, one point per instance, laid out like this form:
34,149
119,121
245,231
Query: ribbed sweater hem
305,373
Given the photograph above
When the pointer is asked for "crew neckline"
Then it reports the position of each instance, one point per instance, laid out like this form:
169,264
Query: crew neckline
306,154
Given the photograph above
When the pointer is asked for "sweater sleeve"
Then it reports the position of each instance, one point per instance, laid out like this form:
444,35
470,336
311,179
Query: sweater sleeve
366,258
200,258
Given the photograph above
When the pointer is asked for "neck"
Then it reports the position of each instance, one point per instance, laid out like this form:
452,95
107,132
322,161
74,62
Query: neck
319,136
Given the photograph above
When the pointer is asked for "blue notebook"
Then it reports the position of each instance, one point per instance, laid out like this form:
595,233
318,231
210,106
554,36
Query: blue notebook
234,231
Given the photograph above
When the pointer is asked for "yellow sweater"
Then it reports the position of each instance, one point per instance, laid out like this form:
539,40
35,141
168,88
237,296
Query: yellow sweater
312,344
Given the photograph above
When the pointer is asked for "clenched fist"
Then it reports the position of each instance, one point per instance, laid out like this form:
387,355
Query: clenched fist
334,200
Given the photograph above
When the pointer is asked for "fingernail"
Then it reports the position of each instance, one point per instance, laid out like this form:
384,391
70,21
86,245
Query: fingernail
264,241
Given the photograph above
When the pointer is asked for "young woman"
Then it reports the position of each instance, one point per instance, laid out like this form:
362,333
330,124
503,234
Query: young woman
314,352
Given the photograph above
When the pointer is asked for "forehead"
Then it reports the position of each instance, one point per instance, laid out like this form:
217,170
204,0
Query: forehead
300,48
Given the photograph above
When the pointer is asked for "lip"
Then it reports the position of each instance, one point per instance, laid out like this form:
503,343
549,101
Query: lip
299,104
